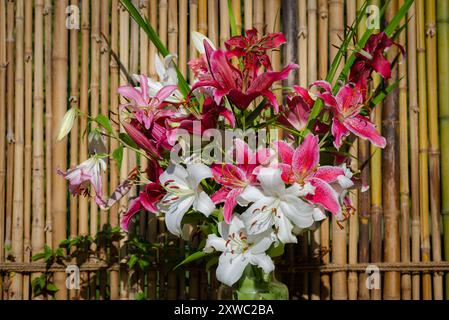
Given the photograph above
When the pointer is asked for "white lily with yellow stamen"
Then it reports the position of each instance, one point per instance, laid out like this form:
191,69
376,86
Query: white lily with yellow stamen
278,206
239,249
184,191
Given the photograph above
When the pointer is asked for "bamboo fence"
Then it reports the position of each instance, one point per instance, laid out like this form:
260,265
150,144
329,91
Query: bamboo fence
60,54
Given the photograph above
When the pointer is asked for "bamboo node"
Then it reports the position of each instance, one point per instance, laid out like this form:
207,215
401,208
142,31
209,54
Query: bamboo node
423,150
10,138
431,30
4,65
302,33
143,4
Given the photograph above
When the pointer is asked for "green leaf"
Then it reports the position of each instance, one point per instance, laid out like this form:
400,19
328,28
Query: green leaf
232,22
103,121
213,261
253,115
143,264
276,251
152,35
127,140
132,261
141,296
52,288
194,256
117,155
38,256
398,17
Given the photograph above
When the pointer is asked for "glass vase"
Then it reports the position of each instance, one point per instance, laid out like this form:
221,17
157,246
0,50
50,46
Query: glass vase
254,285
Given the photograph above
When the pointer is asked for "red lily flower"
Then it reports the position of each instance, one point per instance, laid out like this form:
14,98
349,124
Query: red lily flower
228,81
346,106
297,112
372,58
254,50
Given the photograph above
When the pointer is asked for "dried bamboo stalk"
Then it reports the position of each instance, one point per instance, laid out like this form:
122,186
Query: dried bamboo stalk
404,175
302,42
224,22
443,80
202,16
163,11
434,146
173,25
16,292
212,20
104,108
289,21
28,56
322,71
115,171
94,111
38,206
193,26
237,9
59,100
83,203
248,14
423,148
3,67
10,40
183,36
339,255
124,60
414,145
258,18
351,8
48,51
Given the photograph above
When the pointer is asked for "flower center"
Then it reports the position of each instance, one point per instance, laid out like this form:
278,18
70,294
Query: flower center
237,243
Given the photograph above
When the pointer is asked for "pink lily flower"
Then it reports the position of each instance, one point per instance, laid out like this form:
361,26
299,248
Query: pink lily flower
229,81
301,166
297,112
145,108
346,106
234,178
86,174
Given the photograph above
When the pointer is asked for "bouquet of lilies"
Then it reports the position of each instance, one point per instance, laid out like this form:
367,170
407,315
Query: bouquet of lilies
251,166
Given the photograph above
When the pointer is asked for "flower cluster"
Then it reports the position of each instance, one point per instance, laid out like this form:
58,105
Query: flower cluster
253,198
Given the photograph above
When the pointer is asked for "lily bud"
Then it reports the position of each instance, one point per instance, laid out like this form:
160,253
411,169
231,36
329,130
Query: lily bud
67,123
198,41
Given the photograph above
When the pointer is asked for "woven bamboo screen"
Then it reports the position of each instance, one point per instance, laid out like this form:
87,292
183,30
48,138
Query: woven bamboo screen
58,54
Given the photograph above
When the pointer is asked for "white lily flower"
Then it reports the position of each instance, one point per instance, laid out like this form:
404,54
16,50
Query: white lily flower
183,191
198,41
274,204
239,249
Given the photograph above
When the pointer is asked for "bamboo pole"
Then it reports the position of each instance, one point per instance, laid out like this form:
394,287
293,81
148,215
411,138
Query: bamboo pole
83,203
59,206
443,80
312,76
10,40
302,42
414,145
28,56
74,133
339,255
392,289
202,16
183,36
322,71
115,171
3,67
212,20
248,14
163,20
404,173
16,292
351,8
38,213
48,51
434,146
224,22
258,20
124,60
193,26
423,148
237,9
104,108
289,14
173,25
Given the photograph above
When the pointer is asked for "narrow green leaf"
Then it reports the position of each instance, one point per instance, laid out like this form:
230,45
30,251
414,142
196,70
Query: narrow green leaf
52,288
255,113
152,35
276,251
232,22
194,256
117,155
38,256
127,140
132,261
